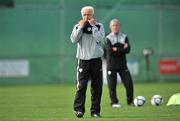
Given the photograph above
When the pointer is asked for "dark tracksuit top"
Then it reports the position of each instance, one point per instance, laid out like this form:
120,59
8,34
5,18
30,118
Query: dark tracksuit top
116,60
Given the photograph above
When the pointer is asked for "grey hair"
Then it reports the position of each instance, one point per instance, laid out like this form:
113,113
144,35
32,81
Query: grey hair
114,21
87,8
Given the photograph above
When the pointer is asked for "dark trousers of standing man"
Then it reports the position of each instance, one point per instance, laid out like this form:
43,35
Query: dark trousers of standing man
112,83
89,70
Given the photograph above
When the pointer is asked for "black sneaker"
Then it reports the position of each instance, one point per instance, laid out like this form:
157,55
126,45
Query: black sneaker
79,114
131,104
96,115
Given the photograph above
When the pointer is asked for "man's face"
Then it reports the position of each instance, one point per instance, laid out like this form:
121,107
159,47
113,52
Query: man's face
87,15
115,27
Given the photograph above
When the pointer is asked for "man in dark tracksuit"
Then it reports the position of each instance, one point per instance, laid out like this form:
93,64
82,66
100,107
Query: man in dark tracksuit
117,46
89,35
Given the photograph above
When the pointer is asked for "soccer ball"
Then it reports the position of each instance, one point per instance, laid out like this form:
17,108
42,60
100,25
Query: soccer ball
156,100
139,101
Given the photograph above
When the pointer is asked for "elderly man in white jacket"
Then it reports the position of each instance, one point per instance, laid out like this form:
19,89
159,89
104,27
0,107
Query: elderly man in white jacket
89,35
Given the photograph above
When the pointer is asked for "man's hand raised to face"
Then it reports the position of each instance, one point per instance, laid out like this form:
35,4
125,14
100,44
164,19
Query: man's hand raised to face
82,23
92,22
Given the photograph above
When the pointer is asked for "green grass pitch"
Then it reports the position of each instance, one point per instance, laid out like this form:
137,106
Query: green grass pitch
54,103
